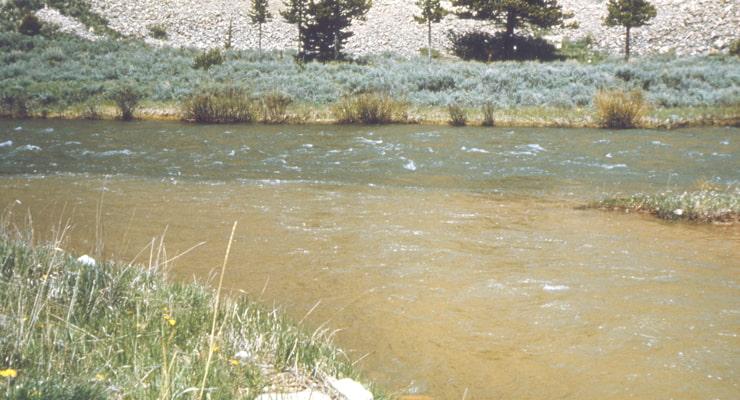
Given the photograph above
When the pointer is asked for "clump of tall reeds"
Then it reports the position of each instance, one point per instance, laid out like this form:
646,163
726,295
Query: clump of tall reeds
370,108
458,114
221,105
487,110
94,330
618,109
274,107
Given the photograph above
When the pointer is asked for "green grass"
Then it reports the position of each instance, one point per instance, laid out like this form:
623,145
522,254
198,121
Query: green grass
703,206
122,331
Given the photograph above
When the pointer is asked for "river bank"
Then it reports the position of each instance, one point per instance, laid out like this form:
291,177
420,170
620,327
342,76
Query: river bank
127,330
440,116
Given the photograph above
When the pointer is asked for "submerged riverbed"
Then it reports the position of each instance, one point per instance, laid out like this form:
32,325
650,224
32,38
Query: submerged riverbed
451,261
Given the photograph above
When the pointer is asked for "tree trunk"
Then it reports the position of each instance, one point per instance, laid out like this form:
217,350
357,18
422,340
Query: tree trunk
429,40
259,39
509,35
627,45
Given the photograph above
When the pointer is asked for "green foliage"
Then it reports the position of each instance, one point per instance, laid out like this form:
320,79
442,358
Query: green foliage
259,15
617,109
734,49
15,103
125,331
208,59
482,46
127,98
30,25
458,114
325,31
158,31
513,15
370,109
220,105
431,12
629,14
580,50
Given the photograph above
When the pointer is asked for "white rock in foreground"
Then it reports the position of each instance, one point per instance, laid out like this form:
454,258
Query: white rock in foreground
350,389
86,260
304,395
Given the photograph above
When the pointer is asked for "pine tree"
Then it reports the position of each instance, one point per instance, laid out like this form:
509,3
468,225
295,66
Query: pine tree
431,12
514,14
296,14
629,14
325,29
259,15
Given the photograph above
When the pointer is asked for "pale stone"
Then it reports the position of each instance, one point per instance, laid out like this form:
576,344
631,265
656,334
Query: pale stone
304,395
350,389
86,260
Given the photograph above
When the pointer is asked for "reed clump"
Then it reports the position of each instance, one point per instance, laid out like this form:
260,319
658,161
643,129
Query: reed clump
370,109
75,329
221,105
618,109
458,115
275,107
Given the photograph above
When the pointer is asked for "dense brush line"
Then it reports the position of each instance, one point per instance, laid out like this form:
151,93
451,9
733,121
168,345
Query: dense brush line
48,75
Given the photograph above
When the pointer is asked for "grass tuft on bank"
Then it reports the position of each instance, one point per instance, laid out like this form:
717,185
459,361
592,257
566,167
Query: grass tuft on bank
72,330
702,206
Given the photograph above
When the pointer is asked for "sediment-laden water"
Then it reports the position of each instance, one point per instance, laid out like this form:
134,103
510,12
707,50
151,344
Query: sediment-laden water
452,261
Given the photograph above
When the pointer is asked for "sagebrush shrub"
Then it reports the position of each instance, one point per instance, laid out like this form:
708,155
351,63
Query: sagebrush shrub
30,25
618,109
158,31
208,59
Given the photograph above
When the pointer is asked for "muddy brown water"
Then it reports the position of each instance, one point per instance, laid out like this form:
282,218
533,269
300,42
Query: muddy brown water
452,262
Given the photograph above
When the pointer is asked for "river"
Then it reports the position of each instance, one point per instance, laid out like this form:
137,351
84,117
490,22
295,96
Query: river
452,262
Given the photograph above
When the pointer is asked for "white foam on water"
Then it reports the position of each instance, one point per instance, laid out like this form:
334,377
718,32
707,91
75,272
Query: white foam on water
30,147
554,288
6,143
410,165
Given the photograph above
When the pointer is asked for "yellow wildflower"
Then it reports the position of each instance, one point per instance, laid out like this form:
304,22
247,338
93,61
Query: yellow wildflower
166,317
216,348
234,362
172,322
8,373
100,377
138,325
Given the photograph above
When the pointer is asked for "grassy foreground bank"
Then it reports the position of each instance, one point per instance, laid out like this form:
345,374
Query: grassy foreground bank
73,330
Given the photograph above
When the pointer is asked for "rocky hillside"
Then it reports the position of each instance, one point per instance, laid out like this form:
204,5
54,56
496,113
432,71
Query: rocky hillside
683,26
